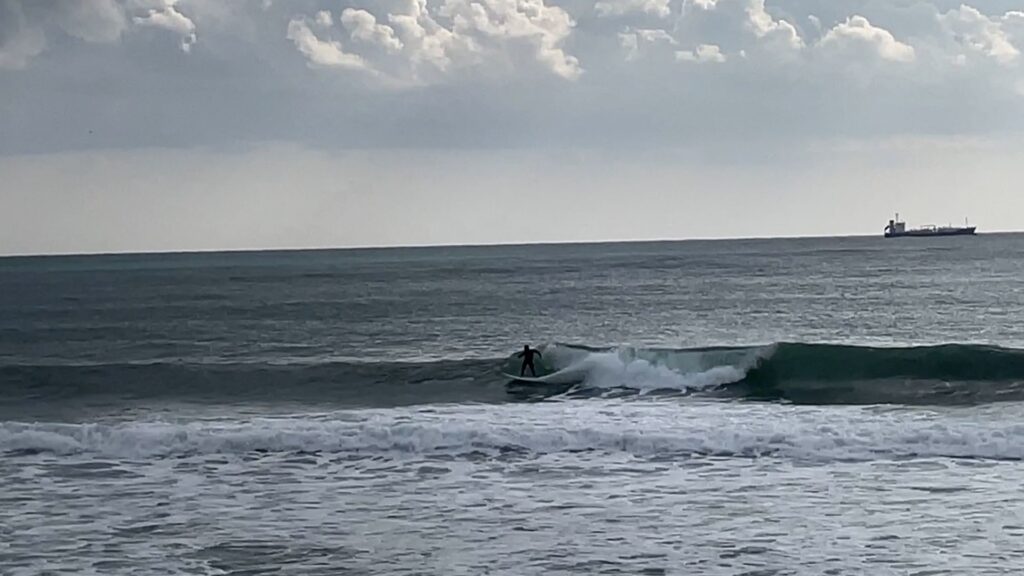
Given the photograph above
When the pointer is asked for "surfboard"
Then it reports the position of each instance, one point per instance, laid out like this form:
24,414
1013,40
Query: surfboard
531,380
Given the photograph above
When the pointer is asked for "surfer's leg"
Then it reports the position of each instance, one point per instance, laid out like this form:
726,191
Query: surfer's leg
532,371
522,369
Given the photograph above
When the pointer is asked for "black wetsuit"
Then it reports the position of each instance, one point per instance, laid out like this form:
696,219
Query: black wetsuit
527,356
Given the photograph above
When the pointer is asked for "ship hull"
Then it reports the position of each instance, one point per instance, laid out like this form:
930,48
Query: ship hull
968,231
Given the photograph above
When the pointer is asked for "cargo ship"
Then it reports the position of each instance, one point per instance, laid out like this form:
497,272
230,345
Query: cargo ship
898,229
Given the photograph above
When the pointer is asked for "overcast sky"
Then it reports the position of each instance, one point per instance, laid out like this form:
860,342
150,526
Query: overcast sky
136,125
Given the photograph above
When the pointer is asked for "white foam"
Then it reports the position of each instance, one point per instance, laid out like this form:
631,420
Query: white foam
643,429
649,370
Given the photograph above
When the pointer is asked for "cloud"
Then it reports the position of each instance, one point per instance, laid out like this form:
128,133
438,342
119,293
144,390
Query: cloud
427,42
709,29
633,41
815,22
364,28
462,73
23,26
977,32
324,19
91,20
325,53
1014,19
737,25
857,33
504,25
418,45
702,53
164,15
764,26
610,8
19,40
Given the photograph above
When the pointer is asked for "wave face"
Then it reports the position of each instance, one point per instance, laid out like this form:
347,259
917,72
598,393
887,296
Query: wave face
804,373
798,373
952,373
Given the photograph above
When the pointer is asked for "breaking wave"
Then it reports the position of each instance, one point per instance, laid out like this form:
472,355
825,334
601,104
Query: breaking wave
799,373
804,373
658,430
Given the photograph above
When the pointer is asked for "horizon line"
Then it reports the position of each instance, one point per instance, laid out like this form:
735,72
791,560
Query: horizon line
368,247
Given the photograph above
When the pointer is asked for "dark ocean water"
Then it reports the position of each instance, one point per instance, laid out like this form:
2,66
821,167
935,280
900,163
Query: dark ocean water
811,406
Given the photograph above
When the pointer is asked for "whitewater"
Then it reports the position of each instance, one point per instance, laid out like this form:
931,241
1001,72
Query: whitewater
812,406
642,430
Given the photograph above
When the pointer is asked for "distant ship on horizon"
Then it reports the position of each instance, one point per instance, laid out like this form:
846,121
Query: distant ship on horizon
898,229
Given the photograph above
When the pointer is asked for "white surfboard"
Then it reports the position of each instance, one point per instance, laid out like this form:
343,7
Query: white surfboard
532,380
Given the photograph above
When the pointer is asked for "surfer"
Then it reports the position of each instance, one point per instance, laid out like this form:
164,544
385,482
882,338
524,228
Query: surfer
527,356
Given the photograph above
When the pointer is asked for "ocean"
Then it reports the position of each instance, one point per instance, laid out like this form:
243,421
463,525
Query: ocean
759,407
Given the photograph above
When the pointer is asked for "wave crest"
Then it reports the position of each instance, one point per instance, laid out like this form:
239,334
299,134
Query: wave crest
649,369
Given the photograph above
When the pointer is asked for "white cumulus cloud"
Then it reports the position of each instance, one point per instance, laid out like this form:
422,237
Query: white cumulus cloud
857,33
324,19
420,43
979,33
165,15
321,52
503,24
765,26
427,42
738,25
702,53
609,8
633,41
363,27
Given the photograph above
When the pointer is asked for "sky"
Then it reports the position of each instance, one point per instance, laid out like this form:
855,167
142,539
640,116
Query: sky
161,125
